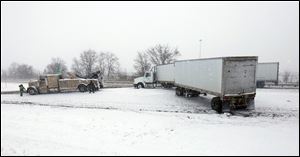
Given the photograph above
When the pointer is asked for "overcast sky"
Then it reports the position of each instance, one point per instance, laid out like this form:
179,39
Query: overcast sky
33,32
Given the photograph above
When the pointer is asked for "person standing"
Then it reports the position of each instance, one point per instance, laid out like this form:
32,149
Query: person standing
22,89
91,87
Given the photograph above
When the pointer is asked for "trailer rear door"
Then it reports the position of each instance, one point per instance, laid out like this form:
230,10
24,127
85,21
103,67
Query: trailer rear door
239,75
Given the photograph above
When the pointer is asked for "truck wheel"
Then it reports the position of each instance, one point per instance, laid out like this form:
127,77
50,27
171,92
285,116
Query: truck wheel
31,91
140,85
216,104
82,88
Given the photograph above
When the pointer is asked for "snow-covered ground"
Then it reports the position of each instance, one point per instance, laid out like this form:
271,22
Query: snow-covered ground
127,121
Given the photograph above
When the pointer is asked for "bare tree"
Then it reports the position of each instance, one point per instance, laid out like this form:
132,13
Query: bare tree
25,71
112,64
142,63
162,54
77,68
286,76
122,75
86,63
12,70
297,78
4,75
294,77
21,71
57,66
101,63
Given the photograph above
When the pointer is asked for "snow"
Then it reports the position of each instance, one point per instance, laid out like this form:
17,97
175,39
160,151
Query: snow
127,121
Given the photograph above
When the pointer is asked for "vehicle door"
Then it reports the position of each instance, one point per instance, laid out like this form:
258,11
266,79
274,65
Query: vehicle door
148,77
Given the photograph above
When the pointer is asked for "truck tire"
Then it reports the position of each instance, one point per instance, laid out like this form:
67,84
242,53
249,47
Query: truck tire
139,85
82,88
216,104
32,91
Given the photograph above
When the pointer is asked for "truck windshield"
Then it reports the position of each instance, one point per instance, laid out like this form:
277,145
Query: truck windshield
147,74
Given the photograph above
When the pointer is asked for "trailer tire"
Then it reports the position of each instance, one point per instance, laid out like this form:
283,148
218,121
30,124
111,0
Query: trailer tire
82,88
216,104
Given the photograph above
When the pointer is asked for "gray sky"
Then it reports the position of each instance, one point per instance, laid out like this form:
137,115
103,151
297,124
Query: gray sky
33,32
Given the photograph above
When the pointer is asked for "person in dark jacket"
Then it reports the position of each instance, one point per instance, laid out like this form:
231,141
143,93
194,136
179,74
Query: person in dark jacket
22,89
91,87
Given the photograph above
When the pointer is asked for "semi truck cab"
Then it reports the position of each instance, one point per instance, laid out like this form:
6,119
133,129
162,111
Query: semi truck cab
145,80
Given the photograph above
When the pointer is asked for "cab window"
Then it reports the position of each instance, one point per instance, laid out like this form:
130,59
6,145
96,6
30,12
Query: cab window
147,74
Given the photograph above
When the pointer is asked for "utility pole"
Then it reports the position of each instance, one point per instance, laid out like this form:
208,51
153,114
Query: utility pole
200,48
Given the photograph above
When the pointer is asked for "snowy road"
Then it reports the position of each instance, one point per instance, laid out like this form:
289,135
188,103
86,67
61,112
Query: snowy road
127,121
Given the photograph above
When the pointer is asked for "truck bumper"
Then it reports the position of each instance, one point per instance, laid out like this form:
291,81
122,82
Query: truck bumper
239,102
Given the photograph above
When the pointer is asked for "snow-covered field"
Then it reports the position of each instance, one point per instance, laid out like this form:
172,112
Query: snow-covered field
127,121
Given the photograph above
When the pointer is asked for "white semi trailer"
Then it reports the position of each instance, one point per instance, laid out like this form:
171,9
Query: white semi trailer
267,72
231,79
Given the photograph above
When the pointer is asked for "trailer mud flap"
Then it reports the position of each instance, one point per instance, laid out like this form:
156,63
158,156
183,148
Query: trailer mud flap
251,105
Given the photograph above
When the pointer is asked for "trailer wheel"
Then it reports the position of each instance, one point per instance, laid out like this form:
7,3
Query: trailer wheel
82,88
216,104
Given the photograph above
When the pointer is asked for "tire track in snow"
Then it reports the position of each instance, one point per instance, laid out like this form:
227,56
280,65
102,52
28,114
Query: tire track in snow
98,107
53,105
197,111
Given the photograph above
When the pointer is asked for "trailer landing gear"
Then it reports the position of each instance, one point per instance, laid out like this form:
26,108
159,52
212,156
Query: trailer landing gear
187,92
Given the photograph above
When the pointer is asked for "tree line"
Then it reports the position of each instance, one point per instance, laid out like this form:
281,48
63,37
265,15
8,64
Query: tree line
90,61
107,63
19,71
